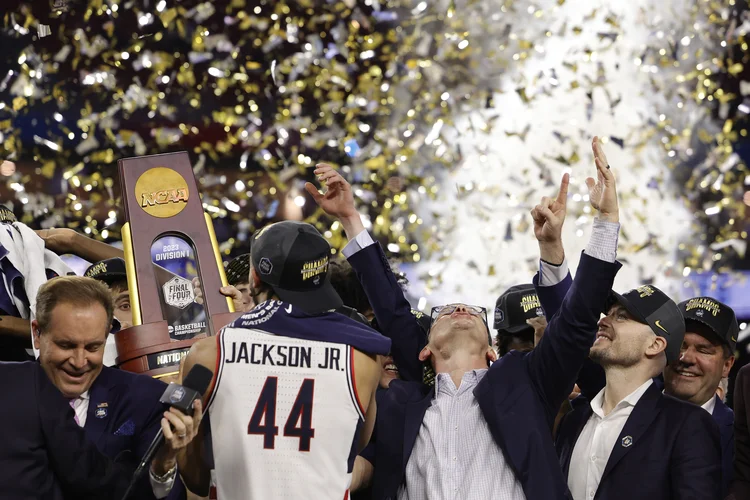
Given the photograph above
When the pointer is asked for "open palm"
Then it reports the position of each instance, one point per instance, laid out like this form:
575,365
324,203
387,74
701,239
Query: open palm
603,191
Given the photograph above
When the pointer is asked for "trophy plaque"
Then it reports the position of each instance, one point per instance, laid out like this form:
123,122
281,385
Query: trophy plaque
168,241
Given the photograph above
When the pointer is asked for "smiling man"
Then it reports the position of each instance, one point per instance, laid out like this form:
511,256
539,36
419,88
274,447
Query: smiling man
119,411
631,429
706,357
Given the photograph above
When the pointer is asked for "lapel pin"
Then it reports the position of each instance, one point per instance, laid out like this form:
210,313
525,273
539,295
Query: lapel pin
101,410
627,441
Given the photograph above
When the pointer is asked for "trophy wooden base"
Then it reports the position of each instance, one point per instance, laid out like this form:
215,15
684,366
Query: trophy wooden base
149,354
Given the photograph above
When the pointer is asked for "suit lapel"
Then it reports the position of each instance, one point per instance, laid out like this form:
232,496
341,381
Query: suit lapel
413,418
643,414
725,420
99,413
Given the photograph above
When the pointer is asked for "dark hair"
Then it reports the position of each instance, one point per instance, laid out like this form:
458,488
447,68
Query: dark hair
74,290
504,342
347,285
119,286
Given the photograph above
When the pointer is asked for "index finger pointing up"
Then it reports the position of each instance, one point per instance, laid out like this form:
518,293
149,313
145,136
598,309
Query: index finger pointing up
562,196
599,152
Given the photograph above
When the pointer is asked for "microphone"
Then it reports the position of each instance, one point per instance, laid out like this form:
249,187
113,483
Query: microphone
180,397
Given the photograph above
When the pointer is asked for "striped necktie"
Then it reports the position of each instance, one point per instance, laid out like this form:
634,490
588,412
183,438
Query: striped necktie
75,414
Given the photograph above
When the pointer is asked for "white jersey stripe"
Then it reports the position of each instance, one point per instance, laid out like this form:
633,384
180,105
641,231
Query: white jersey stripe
351,381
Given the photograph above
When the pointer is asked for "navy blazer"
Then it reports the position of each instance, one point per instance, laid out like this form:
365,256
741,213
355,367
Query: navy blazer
667,450
44,455
123,417
520,395
724,418
591,380
740,487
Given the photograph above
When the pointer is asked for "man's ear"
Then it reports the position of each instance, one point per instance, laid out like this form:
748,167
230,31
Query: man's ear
657,346
491,354
255,279
425,353
35,333
728,363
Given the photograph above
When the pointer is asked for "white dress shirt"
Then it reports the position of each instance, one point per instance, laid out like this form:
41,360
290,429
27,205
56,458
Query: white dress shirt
81,407
710,405
596,442
455,450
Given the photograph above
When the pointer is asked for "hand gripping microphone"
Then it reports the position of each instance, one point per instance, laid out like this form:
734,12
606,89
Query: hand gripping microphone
182,398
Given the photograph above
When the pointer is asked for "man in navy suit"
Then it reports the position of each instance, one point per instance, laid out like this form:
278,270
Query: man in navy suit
44,454
632,441
442,441
707,356
119,411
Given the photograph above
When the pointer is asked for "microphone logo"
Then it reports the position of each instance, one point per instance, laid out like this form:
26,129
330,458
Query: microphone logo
177,395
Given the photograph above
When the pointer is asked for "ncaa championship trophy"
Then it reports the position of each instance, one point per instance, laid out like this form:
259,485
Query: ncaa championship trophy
168,240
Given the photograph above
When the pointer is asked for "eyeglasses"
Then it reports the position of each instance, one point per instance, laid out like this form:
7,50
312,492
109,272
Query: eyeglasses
441,311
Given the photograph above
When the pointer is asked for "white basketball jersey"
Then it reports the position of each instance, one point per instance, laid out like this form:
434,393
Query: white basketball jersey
284,416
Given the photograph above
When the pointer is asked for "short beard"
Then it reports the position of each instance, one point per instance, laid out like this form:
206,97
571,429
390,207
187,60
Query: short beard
605,359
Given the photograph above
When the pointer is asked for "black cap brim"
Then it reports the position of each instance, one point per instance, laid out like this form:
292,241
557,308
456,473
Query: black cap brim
515,330
712,330
318,301
616,298
110,278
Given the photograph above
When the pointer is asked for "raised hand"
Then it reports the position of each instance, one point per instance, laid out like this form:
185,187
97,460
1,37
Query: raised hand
337,200
603,190
549,215
58,240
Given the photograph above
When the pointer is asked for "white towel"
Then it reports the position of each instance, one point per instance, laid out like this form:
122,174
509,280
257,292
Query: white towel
31,259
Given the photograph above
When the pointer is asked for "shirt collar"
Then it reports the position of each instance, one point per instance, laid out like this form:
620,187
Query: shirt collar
629,400
444,382
710,405
84,396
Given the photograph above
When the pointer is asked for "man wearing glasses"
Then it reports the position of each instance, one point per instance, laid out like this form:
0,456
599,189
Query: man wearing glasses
479,433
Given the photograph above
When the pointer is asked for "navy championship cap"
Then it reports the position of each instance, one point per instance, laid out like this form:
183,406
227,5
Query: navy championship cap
293,257
719,318
516,305
108,271
238,270
653,307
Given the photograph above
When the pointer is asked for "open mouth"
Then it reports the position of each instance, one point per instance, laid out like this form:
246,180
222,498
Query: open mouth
391,368
602,335
687,374
74,377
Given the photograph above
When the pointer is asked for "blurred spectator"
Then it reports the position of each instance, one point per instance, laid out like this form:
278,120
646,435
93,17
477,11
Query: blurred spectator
112,273
119,411
238,276
347,285
740,489
721,391
513,310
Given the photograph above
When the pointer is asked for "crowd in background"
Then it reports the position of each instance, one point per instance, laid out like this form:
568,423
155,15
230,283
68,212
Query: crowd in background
572,391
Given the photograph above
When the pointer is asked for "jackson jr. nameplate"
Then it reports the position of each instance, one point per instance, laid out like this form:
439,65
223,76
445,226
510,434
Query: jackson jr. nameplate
168,241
